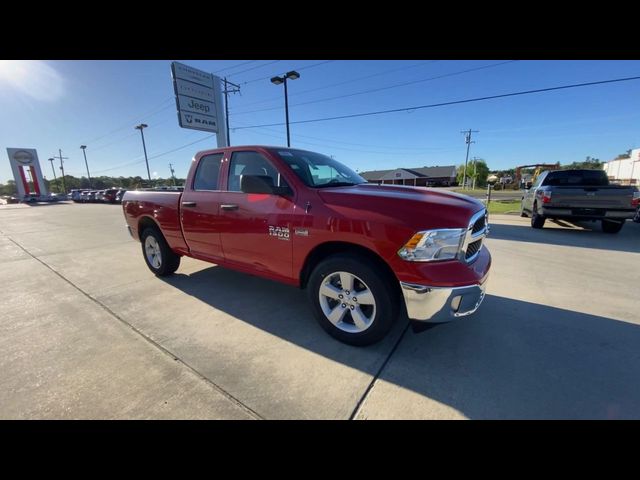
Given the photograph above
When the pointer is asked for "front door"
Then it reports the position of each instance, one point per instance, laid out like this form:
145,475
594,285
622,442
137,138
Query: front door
255,228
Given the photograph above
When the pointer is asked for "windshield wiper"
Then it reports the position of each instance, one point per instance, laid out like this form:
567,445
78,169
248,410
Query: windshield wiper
335,184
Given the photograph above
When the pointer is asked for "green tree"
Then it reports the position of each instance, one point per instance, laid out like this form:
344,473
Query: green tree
9,188
627,154
590,163
481,172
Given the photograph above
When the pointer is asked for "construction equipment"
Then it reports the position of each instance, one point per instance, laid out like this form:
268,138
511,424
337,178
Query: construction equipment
539,168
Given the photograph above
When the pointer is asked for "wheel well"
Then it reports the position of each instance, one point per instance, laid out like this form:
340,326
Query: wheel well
324,250
146,222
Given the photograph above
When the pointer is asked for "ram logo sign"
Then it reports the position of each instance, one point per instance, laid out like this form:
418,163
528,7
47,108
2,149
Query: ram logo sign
198,98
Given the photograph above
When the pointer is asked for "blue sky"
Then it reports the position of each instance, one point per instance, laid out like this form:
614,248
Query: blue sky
49,105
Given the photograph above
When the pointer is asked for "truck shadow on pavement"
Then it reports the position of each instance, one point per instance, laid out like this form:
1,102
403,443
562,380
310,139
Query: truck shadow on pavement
579,234
521,360
513,359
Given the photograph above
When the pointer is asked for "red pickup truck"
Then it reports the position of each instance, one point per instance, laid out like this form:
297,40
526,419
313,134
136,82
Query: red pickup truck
304,219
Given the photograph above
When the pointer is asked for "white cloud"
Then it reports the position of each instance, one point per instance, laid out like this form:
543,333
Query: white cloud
34,78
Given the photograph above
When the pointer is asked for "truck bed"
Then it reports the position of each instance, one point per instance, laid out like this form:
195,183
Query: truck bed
163,207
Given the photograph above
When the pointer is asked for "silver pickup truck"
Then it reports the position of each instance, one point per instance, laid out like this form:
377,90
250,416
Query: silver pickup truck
579,195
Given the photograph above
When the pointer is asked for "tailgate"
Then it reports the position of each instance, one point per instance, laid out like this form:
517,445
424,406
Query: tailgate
591,197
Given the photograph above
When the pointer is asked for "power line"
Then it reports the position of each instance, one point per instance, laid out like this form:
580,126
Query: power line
181,147
385,72
397,85
234,66
306,67
140,159
339,148
393,148
443,104
128,125
254,68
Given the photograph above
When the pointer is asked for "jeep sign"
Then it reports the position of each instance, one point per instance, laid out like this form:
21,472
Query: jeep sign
198,100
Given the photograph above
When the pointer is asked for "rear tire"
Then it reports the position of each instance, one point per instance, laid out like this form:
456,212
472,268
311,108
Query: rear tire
537,221
609,226
333,289
157,254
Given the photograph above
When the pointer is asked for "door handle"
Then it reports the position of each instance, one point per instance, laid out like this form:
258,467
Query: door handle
229,206
189,204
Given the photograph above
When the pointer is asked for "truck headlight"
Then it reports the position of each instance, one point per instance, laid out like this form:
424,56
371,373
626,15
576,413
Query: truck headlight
433,245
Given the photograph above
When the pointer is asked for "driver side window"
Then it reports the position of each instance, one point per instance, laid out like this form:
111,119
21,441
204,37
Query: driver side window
249,163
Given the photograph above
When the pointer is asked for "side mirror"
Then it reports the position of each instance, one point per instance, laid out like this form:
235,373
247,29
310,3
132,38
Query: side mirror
528,185
261,184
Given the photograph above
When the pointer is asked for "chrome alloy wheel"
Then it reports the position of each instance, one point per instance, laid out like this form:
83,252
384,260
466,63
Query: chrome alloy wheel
152,250
347,302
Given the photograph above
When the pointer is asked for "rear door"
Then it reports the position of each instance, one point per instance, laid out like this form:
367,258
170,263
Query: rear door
256,228
199,210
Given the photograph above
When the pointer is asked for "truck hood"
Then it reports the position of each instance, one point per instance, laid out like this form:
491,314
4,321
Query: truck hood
419,208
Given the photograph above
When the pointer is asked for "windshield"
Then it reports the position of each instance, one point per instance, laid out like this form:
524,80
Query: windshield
560,178
317,170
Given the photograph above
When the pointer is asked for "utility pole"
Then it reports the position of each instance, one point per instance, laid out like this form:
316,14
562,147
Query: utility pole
173,176
469,142
473,187
84,147
54,173
226,92
61,158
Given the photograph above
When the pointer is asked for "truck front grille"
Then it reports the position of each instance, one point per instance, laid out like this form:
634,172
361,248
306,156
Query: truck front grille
477,230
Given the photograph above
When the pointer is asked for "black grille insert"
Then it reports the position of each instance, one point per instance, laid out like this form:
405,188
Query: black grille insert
479,225
473,248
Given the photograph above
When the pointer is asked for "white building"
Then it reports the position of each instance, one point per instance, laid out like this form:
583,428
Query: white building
625,170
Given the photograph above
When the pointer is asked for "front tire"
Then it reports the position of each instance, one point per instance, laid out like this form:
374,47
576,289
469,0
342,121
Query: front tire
611,227
352,299
157,254
522,212
537,220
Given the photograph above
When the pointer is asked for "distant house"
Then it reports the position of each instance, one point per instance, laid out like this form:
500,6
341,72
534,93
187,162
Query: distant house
420,177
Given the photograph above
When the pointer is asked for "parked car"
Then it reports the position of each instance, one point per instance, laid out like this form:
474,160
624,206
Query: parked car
579,195
304,219
75,194
109,195
119,195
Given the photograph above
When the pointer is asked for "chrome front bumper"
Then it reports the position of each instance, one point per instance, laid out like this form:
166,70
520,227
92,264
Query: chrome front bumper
438,304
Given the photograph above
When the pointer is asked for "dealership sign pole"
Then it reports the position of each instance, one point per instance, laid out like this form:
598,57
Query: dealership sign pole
199,101
26,159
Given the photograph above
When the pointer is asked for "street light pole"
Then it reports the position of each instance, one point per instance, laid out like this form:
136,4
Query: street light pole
286,110
84,147
54,173
141,127
293,75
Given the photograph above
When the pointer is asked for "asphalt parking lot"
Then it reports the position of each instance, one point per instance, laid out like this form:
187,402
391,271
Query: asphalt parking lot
87,331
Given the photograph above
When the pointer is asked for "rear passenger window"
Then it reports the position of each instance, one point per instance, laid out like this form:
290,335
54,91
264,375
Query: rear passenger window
208,172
